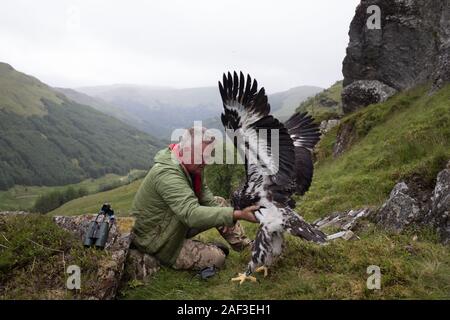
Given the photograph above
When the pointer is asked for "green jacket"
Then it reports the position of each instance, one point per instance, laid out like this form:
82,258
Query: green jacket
165,207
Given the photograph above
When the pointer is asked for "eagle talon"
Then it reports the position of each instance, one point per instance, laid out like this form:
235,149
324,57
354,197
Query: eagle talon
242,277
263,268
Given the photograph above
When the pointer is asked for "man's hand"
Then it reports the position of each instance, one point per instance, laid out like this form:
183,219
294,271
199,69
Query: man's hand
247,214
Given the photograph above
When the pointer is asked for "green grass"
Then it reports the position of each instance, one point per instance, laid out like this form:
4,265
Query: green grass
24,197
120,199
307,271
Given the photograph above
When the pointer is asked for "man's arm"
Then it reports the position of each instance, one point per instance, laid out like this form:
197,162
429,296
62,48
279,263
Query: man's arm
207,197
181,199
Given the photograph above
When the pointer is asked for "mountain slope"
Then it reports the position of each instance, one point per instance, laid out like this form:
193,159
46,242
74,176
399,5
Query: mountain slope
97,104
324,105
160,110
23,94
284,103
47,139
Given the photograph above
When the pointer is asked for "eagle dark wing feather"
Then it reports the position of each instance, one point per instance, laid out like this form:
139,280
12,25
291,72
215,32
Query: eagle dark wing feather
305,134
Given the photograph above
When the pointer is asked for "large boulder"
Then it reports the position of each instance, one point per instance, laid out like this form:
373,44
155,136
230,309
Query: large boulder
400,210
365,92
412,47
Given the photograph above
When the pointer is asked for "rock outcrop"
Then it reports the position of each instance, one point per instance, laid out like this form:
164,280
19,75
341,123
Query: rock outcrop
121,264
439,214
411,47
327,125
345,137
408,206
345,222
14,213
111,267
363,93
400,210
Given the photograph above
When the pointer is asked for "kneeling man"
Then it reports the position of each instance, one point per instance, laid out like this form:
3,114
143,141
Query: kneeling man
174,204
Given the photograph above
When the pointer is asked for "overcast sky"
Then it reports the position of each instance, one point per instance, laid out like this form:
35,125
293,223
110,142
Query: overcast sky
176,43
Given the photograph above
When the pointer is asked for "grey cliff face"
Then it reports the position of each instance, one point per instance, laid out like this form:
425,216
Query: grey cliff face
412,47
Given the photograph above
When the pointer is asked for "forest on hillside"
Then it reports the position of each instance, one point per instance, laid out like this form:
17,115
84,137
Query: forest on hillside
70,143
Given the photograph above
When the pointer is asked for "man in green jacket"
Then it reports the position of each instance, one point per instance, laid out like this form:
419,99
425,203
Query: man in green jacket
174,203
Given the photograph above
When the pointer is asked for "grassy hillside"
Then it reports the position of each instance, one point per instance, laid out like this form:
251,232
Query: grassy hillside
23,197
307,271
23,94
324,105
65,142
120,198
409,135
283,104
100,105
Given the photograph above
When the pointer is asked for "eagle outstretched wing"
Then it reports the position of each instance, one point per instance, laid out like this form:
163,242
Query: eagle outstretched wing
246,111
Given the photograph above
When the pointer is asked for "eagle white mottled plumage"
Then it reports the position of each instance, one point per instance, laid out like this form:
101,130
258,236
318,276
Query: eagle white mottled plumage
247,112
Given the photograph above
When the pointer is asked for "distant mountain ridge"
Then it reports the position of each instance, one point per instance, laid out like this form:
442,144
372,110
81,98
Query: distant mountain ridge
160,110
48,139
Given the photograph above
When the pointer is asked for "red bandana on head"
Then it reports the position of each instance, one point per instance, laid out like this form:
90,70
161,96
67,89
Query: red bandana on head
196,178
